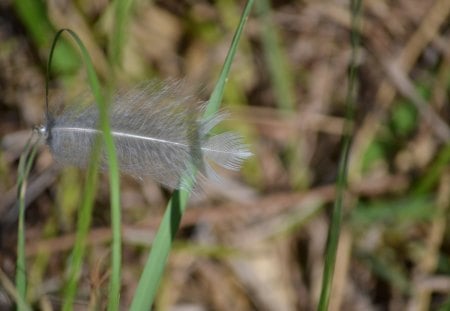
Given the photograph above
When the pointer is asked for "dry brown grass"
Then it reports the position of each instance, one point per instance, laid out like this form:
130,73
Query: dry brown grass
259,244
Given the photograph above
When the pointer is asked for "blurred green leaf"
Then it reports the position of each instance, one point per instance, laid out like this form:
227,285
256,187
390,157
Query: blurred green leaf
374,153
33,15
394,211
403,118
388,269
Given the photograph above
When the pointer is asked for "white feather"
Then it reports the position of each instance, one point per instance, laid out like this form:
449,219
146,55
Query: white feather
158,132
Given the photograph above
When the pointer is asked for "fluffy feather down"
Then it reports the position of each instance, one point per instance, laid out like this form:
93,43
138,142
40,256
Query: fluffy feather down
158,133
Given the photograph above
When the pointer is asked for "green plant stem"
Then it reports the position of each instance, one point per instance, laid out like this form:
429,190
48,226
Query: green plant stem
117,38
282,84
154,267
114,183
217,94
83,224
25,164
150,278
20,264
336,217
281,77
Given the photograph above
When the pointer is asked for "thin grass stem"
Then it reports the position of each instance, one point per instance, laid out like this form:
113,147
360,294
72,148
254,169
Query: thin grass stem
25,165
121,12
336,217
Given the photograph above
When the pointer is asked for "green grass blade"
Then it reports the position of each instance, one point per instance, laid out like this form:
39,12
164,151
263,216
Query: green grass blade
154,268
283,84
92,76
84,222
117,38
217,94
92,177
336,217
20,264
25,164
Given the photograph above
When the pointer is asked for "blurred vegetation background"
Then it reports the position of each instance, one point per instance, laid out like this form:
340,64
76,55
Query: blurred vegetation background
259,243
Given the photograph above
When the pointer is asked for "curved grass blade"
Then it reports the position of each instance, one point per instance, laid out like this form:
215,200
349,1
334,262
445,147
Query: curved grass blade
154,267
92,175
